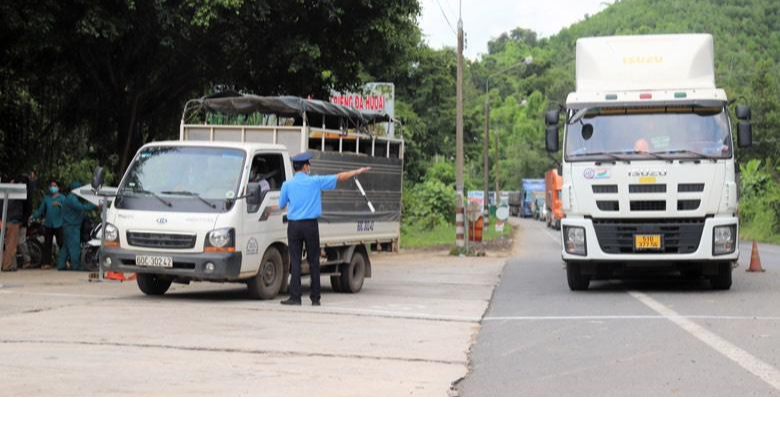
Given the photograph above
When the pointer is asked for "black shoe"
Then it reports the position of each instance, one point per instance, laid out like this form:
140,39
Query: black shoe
291,302
315,302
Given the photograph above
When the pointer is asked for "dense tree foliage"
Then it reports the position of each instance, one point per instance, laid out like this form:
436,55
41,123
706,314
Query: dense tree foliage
81,77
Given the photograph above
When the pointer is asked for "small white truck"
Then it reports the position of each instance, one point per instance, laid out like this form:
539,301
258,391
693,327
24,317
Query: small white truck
205,207
649,172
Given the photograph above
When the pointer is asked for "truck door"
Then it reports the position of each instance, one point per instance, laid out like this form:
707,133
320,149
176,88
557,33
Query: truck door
262,223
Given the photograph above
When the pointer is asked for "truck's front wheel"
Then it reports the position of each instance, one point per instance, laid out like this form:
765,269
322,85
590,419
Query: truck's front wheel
577,280
721,280
353,273
151,284
268,281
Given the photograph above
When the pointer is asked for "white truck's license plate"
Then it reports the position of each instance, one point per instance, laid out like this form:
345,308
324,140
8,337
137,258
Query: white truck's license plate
154,261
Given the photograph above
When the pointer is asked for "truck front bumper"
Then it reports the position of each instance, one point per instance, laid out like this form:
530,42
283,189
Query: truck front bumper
226,266
609,251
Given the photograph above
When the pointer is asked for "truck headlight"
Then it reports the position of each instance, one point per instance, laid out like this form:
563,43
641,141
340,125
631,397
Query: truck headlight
111,235
574,238
222,240
724,239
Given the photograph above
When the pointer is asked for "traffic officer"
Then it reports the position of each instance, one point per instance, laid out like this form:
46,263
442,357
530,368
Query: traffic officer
303,194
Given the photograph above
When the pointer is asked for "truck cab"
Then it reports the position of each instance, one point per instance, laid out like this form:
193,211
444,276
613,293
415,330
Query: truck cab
649,169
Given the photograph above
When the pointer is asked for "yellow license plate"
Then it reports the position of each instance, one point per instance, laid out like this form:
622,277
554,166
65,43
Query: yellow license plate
647,241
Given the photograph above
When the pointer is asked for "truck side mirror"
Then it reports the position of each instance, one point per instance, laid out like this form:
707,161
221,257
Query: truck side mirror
743,112
744,134
97,178
254,195
551,140
551,117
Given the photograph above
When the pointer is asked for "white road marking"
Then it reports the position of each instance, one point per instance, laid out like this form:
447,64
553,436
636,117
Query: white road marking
367,311
747,361
630,317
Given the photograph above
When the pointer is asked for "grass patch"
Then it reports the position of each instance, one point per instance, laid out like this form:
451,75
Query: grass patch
413,236
759,231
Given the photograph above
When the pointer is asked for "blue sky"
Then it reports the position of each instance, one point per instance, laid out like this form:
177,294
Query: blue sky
486,19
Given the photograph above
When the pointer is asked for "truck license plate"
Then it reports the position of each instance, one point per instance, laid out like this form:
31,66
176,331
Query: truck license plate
647,241
154,261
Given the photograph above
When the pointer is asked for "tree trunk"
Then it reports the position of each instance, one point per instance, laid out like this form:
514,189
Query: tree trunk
127,138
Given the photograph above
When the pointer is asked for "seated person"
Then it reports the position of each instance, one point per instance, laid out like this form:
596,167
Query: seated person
642,146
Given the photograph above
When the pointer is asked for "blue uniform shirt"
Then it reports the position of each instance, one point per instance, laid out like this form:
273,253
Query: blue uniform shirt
303,193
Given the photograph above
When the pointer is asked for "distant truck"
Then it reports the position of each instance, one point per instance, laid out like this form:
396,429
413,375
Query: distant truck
204,207
649,175
532,190
553,185
515,203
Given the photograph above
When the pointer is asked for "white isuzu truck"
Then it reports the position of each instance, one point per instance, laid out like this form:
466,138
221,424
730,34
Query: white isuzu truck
204,207
649,171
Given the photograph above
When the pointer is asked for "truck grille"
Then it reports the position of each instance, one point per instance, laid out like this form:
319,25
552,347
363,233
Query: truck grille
157,240
608,205
678,236
647,188
605,188
648,205
688,204
690,188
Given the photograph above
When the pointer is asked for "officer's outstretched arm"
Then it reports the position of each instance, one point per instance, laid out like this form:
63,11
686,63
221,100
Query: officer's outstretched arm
343,176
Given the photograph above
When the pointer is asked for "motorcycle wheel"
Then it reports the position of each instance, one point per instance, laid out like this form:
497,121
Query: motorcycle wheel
90,259
35,250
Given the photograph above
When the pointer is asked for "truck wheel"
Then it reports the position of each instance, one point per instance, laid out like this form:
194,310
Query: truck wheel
577,280
353,273
722,280
268,281
151,284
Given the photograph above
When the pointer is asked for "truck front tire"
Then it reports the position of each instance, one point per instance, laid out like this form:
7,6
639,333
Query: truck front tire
577,280
721,280
270,277
151,284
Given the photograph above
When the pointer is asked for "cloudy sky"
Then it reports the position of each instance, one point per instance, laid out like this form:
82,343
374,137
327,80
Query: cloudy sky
486,19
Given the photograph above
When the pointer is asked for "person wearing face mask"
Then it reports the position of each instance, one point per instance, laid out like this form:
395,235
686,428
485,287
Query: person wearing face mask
50,210
303,194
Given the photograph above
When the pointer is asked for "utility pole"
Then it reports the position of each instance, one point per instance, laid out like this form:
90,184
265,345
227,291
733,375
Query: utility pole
485,160
460,229
498,164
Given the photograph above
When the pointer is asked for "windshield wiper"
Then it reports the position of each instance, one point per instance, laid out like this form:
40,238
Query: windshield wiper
600,154
148,192
687,151
193,194
643,153
578,116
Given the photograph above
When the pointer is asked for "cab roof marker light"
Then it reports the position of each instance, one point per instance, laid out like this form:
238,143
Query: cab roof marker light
612,96
644,96
680,95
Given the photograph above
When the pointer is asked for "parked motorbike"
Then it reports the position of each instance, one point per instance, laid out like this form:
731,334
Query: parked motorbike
29,252
90,250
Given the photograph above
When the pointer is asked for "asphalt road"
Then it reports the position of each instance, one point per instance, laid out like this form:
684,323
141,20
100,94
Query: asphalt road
649,336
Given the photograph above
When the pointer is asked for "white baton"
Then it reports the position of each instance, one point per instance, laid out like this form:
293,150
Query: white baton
363,192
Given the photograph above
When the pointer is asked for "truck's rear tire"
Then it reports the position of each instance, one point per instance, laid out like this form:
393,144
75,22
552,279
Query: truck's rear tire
151,284
270,277
722,280
577,280
353,274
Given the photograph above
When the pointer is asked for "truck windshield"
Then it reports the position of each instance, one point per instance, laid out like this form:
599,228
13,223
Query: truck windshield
185,178
650,133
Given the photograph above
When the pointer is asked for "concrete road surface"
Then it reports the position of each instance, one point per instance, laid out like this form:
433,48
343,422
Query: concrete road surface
406,333
649,336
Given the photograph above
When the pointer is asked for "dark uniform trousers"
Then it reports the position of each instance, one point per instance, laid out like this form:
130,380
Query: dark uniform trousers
299,232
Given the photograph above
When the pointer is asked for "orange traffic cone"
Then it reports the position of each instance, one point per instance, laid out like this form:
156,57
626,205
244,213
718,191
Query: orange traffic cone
118,276
755,260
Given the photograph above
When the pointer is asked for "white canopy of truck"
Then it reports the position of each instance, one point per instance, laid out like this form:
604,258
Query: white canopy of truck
645,62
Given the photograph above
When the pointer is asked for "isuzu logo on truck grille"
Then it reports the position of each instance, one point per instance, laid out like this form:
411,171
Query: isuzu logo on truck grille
162,220
646,172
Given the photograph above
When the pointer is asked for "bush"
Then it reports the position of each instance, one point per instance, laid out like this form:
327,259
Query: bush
429,204
760,203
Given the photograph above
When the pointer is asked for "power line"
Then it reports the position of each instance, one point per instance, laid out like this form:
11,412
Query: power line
445,17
